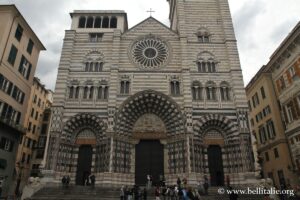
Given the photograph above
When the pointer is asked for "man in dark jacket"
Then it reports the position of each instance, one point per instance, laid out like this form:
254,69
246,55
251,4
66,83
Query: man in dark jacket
232,195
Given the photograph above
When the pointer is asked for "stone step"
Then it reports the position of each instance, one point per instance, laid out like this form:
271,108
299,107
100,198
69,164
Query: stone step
85,192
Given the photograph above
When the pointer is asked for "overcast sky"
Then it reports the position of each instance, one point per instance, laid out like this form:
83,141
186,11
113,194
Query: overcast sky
260,26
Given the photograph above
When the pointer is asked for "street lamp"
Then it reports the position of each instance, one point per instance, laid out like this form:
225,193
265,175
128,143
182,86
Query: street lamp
21,167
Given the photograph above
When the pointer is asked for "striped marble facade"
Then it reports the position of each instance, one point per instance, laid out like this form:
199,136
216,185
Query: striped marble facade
196,90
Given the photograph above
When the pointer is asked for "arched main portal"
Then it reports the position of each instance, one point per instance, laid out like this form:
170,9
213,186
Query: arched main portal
150,118
149,129
86,139
149,156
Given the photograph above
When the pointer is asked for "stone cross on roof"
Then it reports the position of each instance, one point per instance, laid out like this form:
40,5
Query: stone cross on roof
150,11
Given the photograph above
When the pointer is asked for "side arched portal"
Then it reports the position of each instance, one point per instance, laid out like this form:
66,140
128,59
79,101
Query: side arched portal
82,149
226,149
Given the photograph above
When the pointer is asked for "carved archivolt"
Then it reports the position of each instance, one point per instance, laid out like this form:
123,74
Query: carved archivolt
150,102
84,121
222,124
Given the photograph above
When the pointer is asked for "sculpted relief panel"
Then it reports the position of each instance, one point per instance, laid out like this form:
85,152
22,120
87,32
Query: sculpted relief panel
149,126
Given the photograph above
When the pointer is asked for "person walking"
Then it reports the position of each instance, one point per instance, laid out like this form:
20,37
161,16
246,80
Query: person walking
190,194
151,181
178,182
130,194
144,194
196,194
180,193
184,182
148,182
164,193
172,193
232,195
122,193
157,193
68,181
63,181
93,180
126,192
87,178
205,185
136,192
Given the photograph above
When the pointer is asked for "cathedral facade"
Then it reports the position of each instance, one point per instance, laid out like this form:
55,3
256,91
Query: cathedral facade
151,100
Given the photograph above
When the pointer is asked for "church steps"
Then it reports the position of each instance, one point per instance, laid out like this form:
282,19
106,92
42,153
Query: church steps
87,192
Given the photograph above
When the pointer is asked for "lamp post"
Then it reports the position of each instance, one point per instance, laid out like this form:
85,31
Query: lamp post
19,179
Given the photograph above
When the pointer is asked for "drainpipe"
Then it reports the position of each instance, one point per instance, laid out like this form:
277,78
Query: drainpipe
283,125
43,163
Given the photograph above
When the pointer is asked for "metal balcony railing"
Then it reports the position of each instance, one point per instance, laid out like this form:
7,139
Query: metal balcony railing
13,124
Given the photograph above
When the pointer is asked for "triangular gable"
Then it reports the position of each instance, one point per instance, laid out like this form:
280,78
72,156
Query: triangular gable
150,25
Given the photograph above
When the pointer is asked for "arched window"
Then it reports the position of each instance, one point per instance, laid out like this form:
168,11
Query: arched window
77,92
127,85
71,92
175,87
90,22
201,66
100,95
97,23
93,61
87,66
105,93
85,92
209,69
203,35
91,95
113,22
211,66
225,91
211,91
81,23
203,38
124,87
96,67
197,91
206,62
105,23
206,66
91,67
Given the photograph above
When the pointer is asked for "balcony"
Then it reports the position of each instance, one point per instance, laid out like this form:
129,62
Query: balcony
13,124
291,90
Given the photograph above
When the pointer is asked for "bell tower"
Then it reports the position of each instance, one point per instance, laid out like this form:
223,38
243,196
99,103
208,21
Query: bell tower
187,16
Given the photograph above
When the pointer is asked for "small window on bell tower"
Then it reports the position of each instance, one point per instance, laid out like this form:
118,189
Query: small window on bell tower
203,35
203,38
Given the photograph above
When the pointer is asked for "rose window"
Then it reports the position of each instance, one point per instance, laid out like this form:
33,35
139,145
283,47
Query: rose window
150,53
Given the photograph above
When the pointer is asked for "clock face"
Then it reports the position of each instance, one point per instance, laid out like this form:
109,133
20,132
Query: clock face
150,53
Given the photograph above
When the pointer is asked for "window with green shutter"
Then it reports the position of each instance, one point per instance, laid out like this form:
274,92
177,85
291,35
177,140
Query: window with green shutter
30,46
12,55
19,32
